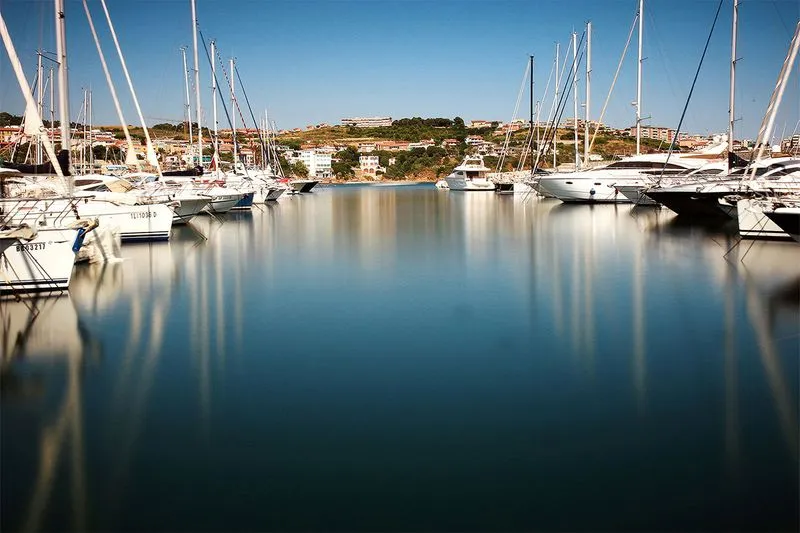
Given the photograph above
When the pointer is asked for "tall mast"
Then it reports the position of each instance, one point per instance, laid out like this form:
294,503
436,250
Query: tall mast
555,126
233,116
130,156
639,83
91,135
63,79
52,106
214,104
85,110
588,90
197,85
39,102
732,96
150,151
531,110
575,96
188,107
30,103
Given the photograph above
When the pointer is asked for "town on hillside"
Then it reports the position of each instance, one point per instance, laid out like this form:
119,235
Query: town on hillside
364,148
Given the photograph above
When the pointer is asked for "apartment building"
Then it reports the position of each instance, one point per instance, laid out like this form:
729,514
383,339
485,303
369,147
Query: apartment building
367,122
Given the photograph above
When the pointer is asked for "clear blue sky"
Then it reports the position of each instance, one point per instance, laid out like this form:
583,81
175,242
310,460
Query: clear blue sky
311,61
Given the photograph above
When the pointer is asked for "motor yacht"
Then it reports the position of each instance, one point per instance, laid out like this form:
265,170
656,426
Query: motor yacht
470,175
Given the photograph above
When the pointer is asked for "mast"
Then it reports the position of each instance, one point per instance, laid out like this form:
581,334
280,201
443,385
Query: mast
91,135
52,107
188,107
531,111
575,96
39,107
214,105
555,126
639,83
197,85
130,156
233,117
588,90
150,151
83,127
63,79
731,99
30,103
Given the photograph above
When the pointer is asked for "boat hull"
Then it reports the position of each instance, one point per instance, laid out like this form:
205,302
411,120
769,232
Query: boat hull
44,263
596,190
754,224
188,209
463,184
788,219
222,203
245,203
689,204
303,185
636,195
274,193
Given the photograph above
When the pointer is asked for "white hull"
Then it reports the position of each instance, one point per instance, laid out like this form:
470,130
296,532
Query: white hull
635,194
442,184
44,263
754,224
222,203
135,222
569,188
465,184
189,208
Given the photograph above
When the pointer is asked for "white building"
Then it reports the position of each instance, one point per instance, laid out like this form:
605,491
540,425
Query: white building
367,122
318,162
370,164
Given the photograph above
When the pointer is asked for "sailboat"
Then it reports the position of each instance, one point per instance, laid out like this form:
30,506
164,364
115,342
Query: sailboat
32,257
728,198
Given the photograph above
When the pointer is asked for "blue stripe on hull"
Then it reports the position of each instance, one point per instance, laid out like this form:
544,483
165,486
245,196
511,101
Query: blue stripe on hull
246,202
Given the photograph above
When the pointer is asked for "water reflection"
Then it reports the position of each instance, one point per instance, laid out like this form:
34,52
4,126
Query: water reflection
362,329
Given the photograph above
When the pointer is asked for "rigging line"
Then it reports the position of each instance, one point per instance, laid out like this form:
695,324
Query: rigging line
560,108
208,56
691,90
614,81
247,101
552,127
501,160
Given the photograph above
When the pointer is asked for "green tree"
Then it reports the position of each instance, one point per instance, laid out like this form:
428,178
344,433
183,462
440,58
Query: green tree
342,170
299,169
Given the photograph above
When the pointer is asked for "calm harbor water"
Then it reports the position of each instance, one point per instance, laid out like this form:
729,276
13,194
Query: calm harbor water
407,359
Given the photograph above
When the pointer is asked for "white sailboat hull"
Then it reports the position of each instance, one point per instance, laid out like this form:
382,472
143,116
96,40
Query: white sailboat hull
189,208
44,263
222,203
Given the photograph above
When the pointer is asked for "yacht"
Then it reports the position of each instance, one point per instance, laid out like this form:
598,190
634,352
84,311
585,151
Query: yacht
706,199
637,194
601,184
470,175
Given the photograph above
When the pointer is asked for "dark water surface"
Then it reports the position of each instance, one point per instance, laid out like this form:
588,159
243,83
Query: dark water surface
407,359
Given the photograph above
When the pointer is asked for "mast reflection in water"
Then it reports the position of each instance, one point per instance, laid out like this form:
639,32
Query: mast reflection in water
402,358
